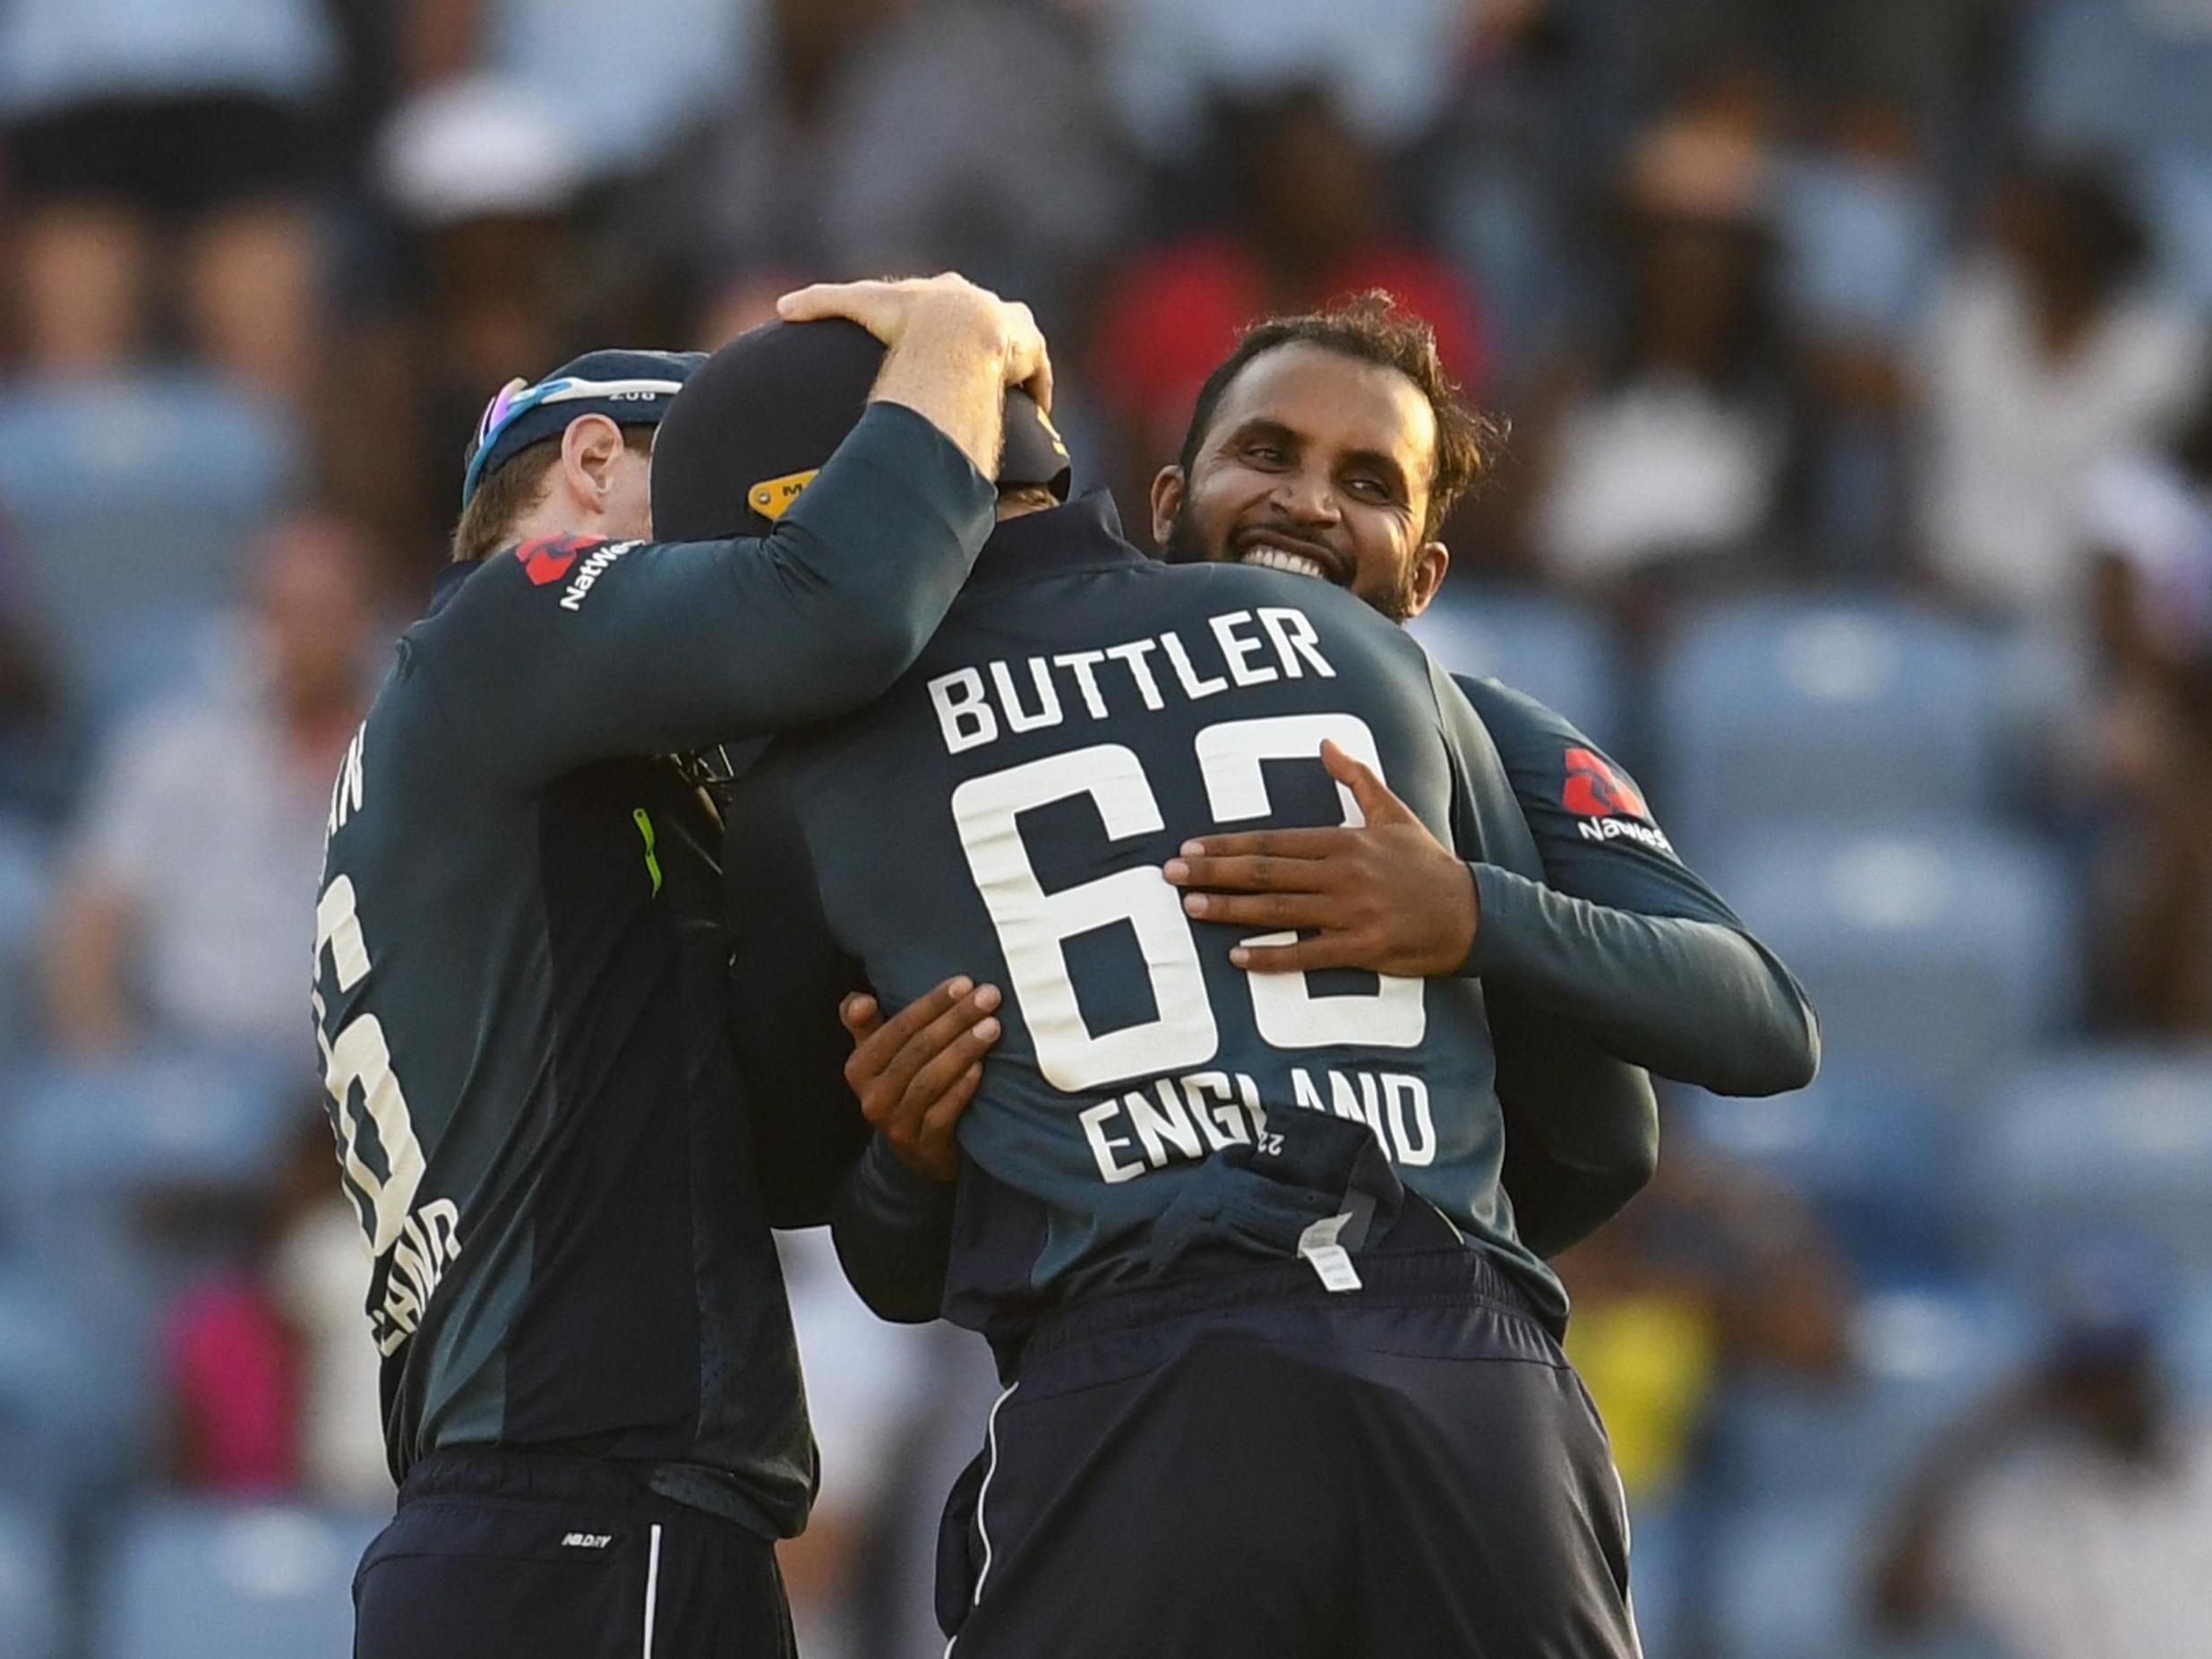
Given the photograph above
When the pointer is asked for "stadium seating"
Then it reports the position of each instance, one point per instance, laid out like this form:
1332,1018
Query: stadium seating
88,1131
85,1146
157,650
207,1580
24,874
1811,1471
1871,1155
135,491
31,1606
1791,1582
2098,1138
52,1378
1557,651
1939,955
1921,1355
1787,711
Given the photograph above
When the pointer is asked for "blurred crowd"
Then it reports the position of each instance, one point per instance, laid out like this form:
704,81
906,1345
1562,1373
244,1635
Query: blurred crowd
1856,356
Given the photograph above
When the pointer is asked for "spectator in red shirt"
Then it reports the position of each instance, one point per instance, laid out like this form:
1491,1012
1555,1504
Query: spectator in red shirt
1312,228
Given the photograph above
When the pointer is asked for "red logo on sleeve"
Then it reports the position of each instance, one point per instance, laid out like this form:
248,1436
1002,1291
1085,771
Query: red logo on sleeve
547,558
1596,790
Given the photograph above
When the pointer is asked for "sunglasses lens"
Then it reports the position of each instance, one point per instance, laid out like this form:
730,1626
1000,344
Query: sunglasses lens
495,413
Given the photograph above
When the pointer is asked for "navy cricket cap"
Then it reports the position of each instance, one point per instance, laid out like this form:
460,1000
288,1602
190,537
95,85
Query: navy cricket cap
758,420
630,387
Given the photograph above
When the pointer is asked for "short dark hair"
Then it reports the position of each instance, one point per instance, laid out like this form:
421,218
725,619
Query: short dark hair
1371,328
504,495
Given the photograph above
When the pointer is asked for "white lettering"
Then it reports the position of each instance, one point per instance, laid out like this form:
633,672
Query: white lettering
1207,1094
1133,654
589,571
1235,650
1194,686
346,791
1079,663
1413,1141
1155,1128
1018,718
1103,1146
968,720
1294,636
1619,829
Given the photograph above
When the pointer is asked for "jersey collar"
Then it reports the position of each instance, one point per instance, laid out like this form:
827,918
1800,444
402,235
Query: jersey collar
1084,534
448,583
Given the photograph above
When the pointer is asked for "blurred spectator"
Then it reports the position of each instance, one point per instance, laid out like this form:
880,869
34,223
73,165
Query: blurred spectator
1710,1273
750,208
186,912
973,138
899,135
2045,356
487,180
127,122
272,1374
1312,228
36,769
2070,1515
2148,520
1674,456
1861,226
1388,64
628,81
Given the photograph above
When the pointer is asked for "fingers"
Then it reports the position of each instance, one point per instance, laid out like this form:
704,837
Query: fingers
876,1054
1260,874
871,304
1272,910
930,1094
1028,360
903,1072
861,1015
1298,844
1038,381
885,309
944,1117
1287,953
1376,805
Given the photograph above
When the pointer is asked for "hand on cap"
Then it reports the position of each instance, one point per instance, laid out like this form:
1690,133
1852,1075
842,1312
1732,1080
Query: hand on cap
905,308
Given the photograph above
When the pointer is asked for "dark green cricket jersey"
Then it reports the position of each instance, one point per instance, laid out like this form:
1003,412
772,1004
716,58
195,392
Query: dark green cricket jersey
1004,811
520,973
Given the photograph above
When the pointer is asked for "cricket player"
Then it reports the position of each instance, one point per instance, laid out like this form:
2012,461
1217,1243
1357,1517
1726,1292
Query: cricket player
1284,1378
591,1397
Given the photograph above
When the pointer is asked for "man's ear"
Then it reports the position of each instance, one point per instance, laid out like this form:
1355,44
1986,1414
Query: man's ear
1167,501
589,447
1431,561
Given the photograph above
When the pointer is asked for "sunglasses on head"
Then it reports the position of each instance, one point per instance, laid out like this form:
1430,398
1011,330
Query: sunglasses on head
518,397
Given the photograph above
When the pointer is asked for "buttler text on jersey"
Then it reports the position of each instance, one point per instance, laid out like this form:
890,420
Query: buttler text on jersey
979,705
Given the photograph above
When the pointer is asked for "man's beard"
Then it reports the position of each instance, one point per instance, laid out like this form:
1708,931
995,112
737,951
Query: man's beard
1185,546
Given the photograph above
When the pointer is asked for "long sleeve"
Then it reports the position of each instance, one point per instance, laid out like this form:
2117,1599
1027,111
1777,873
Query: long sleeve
1582,1128
1620,938
566,652
893,1230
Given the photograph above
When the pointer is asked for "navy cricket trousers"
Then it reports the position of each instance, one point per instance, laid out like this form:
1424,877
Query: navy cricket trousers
1249,1464
513,1555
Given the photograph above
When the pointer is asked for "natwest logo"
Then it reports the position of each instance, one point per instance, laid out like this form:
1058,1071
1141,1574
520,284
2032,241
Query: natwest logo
594,567
546,559
1596,790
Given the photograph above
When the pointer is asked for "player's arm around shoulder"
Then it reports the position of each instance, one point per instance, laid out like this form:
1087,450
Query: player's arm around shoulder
1599,843
567,650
